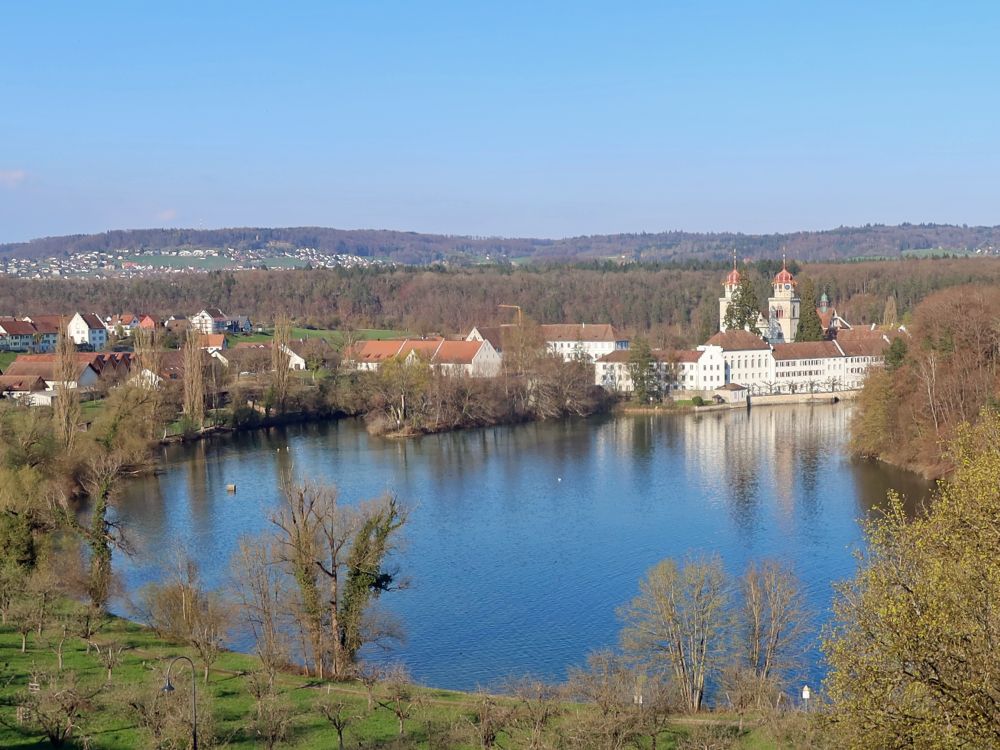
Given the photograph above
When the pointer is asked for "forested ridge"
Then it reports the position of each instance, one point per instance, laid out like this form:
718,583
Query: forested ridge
675,302
415,248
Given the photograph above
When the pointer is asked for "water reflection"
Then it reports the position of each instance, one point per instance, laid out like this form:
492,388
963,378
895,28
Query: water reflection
524,539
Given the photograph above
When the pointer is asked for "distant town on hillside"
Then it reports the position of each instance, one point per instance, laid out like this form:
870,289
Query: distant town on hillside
144,251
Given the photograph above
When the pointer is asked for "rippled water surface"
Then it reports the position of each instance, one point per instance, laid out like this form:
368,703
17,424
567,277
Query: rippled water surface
523,540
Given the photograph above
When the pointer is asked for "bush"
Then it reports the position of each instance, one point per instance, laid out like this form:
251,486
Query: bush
698,401
243,417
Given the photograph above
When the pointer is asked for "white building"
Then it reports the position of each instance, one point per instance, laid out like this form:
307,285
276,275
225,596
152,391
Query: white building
87,329
475,358
210,320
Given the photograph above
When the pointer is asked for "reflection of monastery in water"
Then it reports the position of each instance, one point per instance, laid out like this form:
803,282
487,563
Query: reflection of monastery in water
734,363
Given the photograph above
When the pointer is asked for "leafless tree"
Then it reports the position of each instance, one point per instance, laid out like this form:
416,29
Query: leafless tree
57,705
539,706
608,684
399,696
678,623
272,713
183,610
262,597
339,714
280,374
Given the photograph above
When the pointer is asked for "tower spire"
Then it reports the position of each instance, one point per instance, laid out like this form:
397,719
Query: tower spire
734,258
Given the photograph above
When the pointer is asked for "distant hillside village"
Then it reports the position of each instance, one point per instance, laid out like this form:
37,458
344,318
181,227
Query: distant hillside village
730,366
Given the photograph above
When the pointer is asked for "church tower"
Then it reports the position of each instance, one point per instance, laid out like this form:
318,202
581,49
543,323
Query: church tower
783,307
729,286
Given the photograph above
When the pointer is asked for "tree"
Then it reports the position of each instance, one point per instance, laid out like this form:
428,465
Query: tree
338,714
182,610
58,705
400,698
810,328
771,625
890,319
280,373
272,714
342,549
643,371
912,652
895,355
610,685
744,307
66,406
262,597
677,624
194,382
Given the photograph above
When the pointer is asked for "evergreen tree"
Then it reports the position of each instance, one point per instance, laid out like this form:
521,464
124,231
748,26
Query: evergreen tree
744,307
642,369
810,328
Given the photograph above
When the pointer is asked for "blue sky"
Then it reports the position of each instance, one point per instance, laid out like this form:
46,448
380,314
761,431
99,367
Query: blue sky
536,118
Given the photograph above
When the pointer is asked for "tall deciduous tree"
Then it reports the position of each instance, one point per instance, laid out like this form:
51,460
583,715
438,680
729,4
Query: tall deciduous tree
66,409
810,328
194,381
913,653
280,373
678,623
744,307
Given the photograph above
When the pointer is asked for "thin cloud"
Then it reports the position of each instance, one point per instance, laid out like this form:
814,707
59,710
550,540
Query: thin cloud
167,214
11,178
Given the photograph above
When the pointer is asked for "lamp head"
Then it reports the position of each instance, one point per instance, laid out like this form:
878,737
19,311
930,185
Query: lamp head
167,687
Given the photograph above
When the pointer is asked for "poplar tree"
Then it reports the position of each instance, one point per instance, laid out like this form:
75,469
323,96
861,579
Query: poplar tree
194,382
642,369
279,360
66,410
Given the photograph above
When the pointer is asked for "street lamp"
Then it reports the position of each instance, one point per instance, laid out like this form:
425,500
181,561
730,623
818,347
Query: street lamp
168,688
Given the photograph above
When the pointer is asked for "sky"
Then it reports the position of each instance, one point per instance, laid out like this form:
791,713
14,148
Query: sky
536,119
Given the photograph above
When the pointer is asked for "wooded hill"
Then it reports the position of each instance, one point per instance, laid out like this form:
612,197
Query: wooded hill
414,248
679,304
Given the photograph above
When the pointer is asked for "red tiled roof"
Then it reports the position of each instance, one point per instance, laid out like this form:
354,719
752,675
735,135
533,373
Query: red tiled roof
93,321
46,370
737,341
215,340
15,327
21,383
806,350
580,332
456,352
872,346
376,351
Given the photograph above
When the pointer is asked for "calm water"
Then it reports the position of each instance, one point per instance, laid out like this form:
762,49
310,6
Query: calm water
523,540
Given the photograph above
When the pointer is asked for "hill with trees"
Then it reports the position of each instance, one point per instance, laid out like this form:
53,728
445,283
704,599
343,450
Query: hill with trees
873,240
674,302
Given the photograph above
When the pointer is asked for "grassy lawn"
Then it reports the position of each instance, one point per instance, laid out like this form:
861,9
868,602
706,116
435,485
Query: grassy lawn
6,358
110,726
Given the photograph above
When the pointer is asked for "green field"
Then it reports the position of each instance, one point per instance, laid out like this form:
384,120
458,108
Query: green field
6,358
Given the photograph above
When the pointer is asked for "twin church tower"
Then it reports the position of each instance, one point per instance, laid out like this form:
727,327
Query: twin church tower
782,307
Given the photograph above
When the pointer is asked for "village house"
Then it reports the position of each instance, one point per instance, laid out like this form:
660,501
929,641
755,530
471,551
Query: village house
122,324
581,341
213,342
210,320
87,329
17,335
475,358
23,388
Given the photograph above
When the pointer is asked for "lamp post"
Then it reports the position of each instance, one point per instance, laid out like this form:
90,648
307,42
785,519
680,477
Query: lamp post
168,688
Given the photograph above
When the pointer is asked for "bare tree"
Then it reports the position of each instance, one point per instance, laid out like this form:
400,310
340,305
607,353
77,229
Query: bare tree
262,596
400,698
183,610
678,623
772,624
57,705
339,715
272,713
538,707
110,654
608,684
369,674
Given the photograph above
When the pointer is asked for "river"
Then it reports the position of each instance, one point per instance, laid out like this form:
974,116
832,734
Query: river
523,540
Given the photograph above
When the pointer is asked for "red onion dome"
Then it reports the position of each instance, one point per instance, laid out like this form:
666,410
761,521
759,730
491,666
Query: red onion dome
784,277
733,279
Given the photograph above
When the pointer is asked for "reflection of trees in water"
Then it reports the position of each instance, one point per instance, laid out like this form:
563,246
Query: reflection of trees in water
874,480
198,497
742,475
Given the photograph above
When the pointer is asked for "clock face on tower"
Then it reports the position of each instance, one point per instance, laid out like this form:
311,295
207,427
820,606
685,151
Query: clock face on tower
788,286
